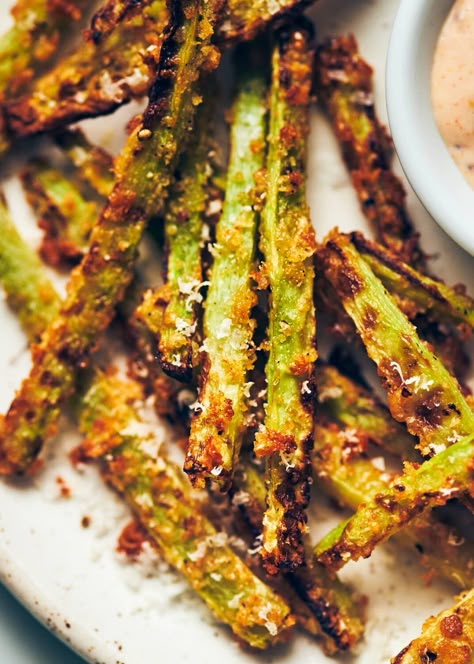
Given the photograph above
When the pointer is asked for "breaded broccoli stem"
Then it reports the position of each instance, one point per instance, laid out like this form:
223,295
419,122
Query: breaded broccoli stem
287,243
172,308
161,498
356,408
29,292
118,61
420,390
343,469
344,88
143,366
33,40
98,77
447,638
446,475
217,428
64,215
31,44
143,173
171,398
415,292
337,608
93,164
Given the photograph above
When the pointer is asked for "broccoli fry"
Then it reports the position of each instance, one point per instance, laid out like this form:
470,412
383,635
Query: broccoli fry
33,39
335,606
446,475
97,77
63,214
118,61
344,88
170,311
143,173
160,496
29,292
287,243
421,392
344,471
217,428
416,292
447,638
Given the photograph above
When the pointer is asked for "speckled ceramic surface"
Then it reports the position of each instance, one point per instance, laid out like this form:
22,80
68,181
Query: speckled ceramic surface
115,612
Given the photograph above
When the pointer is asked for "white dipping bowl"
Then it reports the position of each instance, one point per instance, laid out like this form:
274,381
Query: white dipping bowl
424,157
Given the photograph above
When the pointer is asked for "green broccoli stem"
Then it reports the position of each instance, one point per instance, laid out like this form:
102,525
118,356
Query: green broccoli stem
344,471
29,292
64,215
420,390
217,428
447,475
161,498
287,243
171,311
416,293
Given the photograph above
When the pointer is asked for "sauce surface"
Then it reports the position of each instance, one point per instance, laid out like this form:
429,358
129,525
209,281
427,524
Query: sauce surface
452,86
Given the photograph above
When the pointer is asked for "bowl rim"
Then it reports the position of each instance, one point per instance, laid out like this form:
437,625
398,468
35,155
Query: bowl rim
405,98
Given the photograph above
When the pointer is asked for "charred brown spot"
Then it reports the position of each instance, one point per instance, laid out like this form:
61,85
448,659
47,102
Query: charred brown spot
107,18
48,379
346,281
387,502
182,371
431,411
370,318
328,616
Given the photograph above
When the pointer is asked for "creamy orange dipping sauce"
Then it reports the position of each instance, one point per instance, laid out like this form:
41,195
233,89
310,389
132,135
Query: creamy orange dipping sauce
452,86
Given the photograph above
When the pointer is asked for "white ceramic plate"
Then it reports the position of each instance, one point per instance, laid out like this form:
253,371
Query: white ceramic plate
112,611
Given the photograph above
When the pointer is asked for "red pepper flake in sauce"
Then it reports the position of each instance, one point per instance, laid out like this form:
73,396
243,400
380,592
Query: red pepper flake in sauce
452,86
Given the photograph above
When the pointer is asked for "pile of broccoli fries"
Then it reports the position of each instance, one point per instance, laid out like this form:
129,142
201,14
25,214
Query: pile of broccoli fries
225,346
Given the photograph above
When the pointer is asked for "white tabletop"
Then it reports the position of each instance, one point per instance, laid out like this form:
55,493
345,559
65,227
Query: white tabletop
23,640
